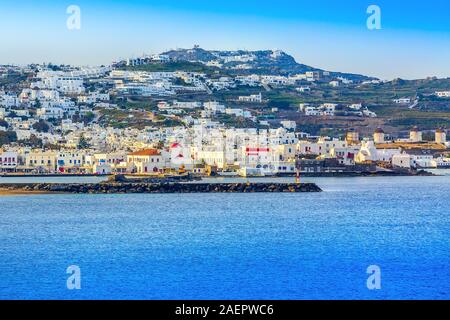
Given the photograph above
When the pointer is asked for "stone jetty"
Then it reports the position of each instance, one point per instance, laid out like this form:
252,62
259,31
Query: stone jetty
118,187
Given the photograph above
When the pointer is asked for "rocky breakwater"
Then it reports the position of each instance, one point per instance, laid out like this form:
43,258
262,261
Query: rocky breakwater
117,187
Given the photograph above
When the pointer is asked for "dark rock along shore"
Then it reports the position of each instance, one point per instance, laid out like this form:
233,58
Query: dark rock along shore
114,187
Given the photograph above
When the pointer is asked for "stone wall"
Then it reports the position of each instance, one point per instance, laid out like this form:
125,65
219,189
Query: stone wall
115,187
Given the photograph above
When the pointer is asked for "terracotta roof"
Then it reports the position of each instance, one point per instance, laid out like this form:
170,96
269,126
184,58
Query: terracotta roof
146,152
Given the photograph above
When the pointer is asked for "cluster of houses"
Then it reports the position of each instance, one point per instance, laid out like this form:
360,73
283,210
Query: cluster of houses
212,148
415,101
443,94
49,108
146,84
333,109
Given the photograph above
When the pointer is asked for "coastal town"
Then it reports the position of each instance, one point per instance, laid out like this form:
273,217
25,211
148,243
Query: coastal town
125,119
224,159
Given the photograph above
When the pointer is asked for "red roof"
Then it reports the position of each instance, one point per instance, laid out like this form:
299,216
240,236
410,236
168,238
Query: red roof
146,152
175,145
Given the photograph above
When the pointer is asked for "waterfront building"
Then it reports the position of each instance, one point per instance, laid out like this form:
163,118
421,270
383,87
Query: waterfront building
345,155
441,163
102,168
370,152
145,161
421,158
322,147
42,161
70,161
211,156
8,161
402,160
180,156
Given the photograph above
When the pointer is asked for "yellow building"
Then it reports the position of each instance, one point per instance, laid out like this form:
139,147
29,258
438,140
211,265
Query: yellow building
440,136
44,160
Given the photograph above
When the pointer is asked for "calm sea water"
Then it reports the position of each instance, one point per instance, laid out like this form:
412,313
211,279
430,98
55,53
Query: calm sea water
232,246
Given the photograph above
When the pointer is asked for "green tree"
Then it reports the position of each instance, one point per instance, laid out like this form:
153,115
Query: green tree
41,126
83,143
7,137
37,104
33,142
88,117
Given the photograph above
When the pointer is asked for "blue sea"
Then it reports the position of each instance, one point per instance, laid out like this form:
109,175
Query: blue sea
232,246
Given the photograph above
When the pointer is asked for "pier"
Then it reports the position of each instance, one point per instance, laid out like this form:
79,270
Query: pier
118,187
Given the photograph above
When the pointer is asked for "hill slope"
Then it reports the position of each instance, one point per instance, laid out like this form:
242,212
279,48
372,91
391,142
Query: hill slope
274,62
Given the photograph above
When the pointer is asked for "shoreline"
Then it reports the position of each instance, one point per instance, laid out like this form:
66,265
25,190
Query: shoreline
280,175
8,192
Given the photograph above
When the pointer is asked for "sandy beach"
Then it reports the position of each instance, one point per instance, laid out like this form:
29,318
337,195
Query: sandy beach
9,192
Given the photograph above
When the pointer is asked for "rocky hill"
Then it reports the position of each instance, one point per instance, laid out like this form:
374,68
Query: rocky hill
273,62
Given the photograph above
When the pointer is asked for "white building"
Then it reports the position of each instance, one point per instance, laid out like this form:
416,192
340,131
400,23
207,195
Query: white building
322,147
46,113
369,152
289,125
402,101
256,98
9,161
402,160
303,89
334,83
443,94
66,161
214,107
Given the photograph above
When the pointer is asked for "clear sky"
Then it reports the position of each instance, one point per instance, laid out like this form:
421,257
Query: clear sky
414,41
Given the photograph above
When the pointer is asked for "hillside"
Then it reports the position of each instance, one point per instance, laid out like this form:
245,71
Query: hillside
273,62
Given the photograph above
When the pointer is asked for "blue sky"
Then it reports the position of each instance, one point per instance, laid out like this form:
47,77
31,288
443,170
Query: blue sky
414,41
